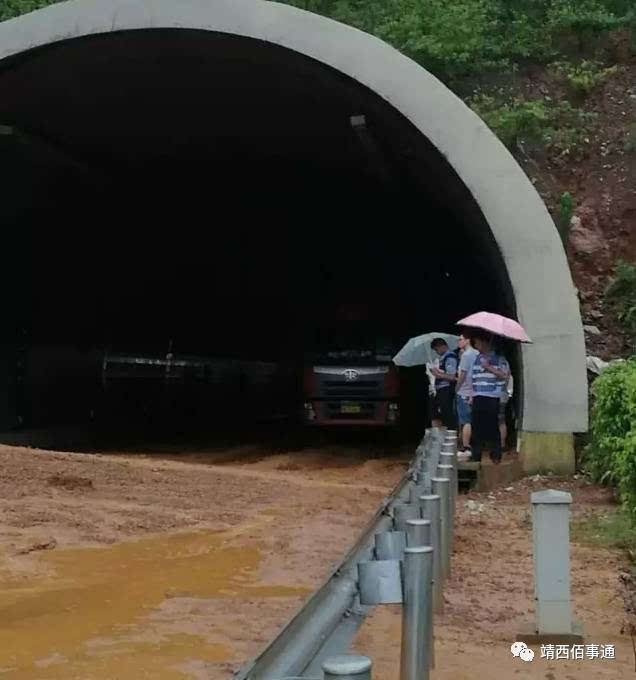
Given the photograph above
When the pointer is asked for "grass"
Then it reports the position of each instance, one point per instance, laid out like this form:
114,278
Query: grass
611,530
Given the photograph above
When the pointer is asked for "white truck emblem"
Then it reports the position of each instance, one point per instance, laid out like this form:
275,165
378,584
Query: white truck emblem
350,374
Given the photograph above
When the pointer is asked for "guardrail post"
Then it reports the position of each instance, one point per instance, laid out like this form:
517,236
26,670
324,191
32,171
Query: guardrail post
389,545
441,488
418,532
417,614
431,511
445,471
450,448
450,439
432,460
347,667
380,582
417,491
451,459
301,643
404,511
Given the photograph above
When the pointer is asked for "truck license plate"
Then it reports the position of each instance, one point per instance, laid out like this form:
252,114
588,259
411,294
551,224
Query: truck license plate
350,408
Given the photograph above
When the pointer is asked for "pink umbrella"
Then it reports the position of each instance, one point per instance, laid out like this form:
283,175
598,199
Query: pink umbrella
497,325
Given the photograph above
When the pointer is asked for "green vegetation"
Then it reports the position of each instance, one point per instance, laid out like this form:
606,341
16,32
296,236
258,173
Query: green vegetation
622,294
12,8
566,208
464,36
611,455
612,530
454,39
559,125
512,121
584,77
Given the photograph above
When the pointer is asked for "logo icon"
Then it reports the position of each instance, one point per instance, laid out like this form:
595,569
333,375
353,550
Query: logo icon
350,374
522,650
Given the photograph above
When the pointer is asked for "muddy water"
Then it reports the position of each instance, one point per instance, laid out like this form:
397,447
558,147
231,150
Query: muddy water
88,615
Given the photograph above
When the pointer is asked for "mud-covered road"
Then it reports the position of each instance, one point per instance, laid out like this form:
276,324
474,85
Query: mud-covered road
182,564
169,565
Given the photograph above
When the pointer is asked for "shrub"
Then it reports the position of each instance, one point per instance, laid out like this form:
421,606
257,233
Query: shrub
566,206
560,126
622,293
518,119
568,128
585,16
611,455
463,37
584,77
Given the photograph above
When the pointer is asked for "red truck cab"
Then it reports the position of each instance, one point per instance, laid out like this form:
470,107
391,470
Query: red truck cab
351,379
351,393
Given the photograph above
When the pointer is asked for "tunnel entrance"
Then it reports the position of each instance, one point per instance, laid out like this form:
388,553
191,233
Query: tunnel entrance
197,193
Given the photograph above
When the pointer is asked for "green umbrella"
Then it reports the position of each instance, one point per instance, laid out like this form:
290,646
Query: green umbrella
418,351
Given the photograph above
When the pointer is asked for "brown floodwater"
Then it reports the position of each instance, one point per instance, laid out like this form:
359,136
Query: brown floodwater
86,615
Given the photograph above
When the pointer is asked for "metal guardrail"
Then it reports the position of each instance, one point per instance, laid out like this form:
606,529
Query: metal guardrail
420,509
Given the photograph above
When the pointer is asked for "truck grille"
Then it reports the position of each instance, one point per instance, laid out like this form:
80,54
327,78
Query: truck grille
352,390
369,386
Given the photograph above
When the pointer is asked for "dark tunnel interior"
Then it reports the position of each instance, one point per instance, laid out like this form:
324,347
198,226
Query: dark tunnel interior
211,196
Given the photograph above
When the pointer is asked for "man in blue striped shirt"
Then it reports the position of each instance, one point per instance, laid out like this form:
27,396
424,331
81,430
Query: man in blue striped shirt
490,375
445,379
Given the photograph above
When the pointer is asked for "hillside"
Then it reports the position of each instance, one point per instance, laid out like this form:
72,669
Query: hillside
598,172
556,81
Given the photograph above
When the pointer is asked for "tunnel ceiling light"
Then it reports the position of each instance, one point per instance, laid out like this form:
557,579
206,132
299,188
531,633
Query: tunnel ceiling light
377,163
358,121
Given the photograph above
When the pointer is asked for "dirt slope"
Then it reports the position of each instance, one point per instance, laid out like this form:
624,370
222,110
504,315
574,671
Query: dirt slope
601,178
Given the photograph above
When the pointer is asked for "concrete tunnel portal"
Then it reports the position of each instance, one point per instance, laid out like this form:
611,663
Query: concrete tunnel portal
220,176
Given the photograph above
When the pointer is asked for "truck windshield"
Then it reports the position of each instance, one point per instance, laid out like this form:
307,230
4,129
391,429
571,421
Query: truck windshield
357,342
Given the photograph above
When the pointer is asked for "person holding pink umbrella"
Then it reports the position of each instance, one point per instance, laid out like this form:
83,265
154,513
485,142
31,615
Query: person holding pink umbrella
490,375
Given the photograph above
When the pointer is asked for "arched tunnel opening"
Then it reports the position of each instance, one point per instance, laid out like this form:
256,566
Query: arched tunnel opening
201,194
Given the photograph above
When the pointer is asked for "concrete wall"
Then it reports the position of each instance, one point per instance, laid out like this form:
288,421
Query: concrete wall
554,374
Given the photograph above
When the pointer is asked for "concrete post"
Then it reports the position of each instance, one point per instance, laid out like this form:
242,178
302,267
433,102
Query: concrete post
551,529
417,614
441,488
347,667
431,511
418,532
